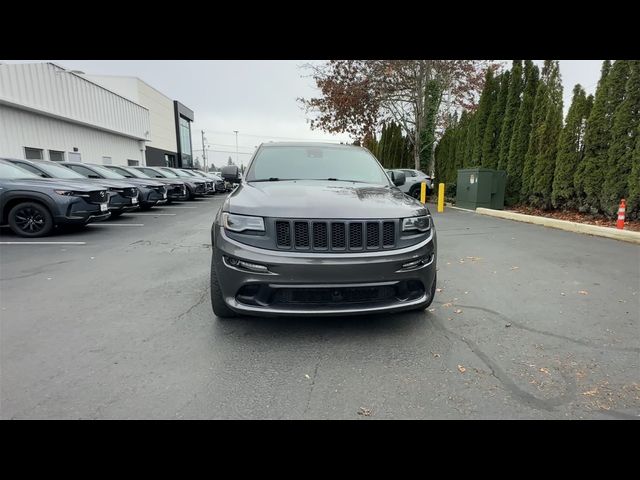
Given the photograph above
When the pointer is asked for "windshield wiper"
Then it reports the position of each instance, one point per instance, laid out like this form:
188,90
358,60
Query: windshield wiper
273,179
345,180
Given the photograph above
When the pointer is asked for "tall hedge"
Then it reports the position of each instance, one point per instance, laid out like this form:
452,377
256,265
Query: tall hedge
623,138
545,162
570,150
609,96
490,142
516,83
633,200
485,105
521,131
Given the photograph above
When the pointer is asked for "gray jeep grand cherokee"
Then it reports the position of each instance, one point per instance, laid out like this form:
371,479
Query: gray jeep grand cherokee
320,229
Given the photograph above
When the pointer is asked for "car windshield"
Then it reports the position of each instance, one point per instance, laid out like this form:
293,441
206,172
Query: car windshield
106,173
8,171
191,174
316,163
176,173
128,172
58,171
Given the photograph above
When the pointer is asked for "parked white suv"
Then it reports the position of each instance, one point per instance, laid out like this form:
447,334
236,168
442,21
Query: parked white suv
413,180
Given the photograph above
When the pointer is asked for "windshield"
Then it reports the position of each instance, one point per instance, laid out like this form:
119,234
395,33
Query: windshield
106,173
191,174
58,171
316,163
128,172
8,171
175,173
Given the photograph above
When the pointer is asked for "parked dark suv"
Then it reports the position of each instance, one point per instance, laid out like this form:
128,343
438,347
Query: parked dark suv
176,189
121,195
150,192
33,206
195,187
320,229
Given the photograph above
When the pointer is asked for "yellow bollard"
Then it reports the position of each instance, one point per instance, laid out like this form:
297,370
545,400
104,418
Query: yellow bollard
441,198
423,193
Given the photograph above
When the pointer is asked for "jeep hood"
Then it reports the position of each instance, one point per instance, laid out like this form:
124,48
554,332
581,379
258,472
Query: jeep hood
321,199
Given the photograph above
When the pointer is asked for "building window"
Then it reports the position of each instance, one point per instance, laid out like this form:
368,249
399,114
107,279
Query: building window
106,160
169,160
133,163
33,153
56,156
74,156
185,142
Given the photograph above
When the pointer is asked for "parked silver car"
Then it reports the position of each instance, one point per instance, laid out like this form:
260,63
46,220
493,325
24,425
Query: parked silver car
414,179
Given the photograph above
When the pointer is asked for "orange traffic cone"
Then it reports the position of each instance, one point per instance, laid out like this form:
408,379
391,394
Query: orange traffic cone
621,210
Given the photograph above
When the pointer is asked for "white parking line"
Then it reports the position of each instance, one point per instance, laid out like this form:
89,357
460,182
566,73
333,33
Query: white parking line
153,214
171,206
43,243
116,225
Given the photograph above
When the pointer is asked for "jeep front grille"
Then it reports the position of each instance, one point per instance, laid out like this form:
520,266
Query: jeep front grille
323,235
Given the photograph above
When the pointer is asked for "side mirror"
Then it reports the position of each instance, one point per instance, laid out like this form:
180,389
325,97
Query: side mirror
398,178
231,173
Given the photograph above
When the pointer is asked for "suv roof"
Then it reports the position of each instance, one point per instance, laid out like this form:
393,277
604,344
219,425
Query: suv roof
307,144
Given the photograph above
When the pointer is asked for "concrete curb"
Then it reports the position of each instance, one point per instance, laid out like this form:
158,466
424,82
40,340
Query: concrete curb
624,235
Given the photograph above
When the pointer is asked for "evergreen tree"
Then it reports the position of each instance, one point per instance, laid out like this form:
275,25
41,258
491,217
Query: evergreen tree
521,131
463,129
633,200
609,95
516,83
570,150
469,141
490,143
487,99
537,133
545,162
626,119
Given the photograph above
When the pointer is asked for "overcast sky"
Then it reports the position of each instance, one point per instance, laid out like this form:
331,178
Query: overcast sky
257,98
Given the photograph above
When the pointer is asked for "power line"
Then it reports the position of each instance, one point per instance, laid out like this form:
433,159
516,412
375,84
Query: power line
332,140
223,151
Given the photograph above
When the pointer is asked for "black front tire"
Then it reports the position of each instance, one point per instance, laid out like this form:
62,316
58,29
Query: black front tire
220,308
31,220
415,192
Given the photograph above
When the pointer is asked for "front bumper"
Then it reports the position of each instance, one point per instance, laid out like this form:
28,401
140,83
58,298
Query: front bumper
80,212
323,284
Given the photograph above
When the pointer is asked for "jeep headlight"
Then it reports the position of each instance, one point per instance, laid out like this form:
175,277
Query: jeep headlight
240,223
418,224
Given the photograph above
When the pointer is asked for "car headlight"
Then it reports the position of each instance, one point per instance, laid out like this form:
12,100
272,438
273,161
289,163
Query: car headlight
240,223
420,224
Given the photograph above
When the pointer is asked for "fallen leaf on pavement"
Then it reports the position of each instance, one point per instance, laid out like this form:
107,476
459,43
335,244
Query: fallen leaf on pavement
432,309
449,318
436,355
307,376
515,268
438,290
448,304
473,259
461,369
583,292
457,311
365,412
590,393
508,325
545,370
562,293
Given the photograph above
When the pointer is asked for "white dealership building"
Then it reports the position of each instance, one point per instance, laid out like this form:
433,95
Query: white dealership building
48,112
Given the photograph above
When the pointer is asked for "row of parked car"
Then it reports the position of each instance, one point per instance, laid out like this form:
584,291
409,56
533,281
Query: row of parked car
37,196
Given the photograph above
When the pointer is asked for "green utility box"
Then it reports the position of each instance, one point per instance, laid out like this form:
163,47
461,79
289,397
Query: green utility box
481,187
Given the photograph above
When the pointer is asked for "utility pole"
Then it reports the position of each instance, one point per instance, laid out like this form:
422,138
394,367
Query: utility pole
204,152
236,132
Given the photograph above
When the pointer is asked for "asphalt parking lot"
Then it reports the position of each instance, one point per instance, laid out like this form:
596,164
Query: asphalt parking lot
528,323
